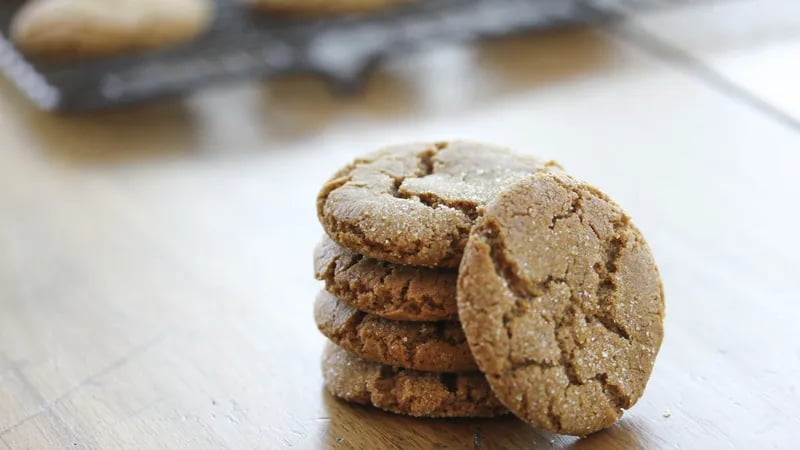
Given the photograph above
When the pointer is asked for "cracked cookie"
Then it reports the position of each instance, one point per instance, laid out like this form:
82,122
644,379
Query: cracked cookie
404,391
415,204
561,303
429,346
65,29
391,291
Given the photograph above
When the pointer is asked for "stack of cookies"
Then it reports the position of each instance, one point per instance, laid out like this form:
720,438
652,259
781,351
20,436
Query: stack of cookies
396,225
464,280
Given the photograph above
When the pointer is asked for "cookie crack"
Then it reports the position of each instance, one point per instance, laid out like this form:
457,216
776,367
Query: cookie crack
404,292
612,250
574,208
563,324
606,272
332,268
350,332
591,227
449,381
395,187
426,165
434,201
410,350
443,334
554,417
532,362
491,234
522,293
614,394
610,325
330,271
340,179
425,161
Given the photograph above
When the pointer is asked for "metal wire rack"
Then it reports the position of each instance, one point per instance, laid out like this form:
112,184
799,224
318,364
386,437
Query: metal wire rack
241,43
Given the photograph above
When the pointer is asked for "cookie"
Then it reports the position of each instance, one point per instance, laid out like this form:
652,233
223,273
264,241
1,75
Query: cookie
561,303
322,7
415,204
391,291
74,29
428,346
404,391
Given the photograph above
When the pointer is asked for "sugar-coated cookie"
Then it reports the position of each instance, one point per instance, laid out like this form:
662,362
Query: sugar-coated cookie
75,29
561,303
392,291
404,391
427,346
415,204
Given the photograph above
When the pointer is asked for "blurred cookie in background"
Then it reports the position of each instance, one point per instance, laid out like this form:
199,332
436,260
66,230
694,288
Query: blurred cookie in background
78,29
322,7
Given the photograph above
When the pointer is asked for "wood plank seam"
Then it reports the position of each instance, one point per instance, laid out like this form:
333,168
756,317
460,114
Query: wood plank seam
48,406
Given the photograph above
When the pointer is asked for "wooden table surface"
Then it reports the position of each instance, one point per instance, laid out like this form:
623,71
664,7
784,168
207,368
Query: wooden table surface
155,263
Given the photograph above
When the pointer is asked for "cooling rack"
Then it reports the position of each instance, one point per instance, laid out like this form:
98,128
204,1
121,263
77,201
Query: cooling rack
241,43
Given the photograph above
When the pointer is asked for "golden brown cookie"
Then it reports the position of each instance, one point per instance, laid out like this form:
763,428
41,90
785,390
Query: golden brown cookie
561,303
391,291
428,346
74,29
322,7
415,203
404,391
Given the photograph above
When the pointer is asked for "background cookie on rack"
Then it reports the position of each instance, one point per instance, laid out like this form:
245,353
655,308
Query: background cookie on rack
77,29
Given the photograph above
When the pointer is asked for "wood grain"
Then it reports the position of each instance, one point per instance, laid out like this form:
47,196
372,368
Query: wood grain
156,281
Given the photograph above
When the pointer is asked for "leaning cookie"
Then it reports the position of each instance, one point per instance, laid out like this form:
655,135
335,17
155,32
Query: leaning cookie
428,346
562,304
415,204
391,291
322,7
75,29
410,392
